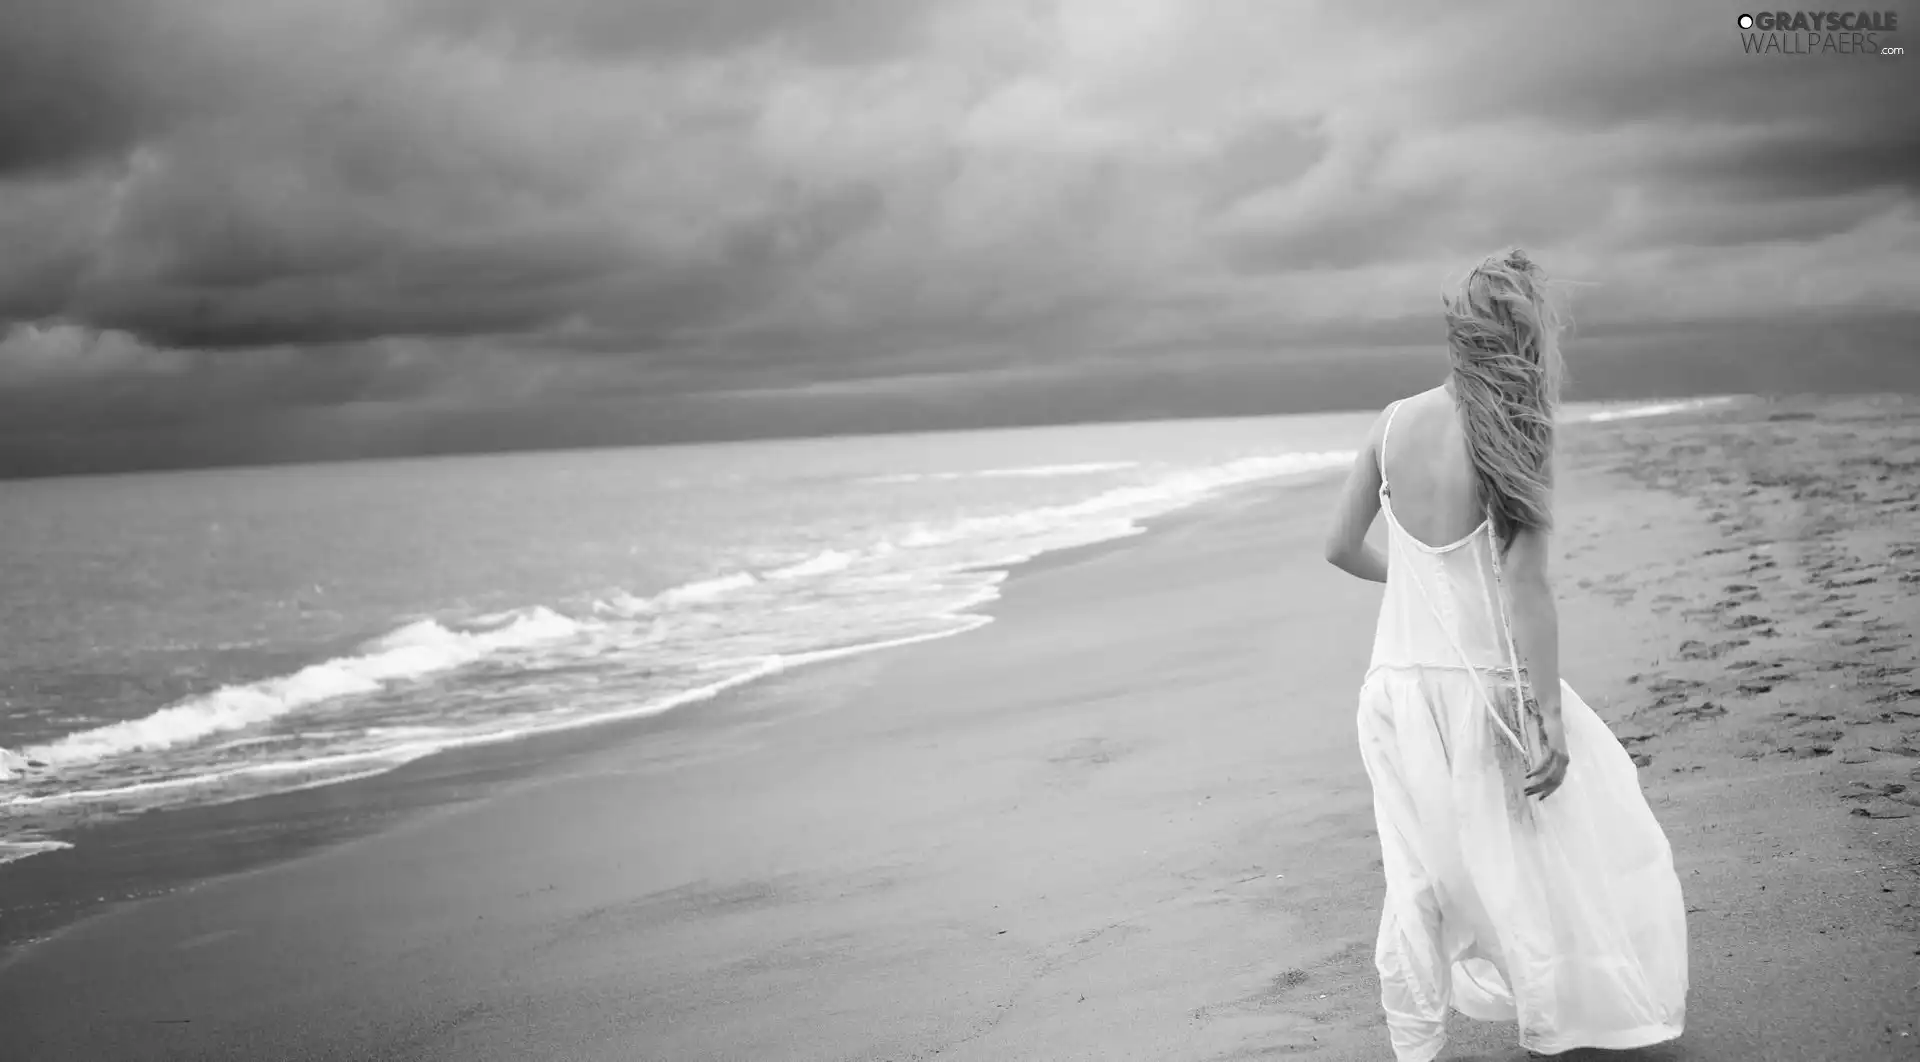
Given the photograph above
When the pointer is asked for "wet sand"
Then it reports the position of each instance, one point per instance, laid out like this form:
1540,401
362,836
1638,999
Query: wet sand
1127,820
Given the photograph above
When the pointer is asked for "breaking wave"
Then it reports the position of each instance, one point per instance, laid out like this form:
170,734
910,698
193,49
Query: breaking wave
417,650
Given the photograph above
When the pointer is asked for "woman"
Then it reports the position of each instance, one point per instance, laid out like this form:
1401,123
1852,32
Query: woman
1526,877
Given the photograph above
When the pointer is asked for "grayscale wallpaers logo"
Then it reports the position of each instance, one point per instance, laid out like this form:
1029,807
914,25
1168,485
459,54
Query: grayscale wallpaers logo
1820,33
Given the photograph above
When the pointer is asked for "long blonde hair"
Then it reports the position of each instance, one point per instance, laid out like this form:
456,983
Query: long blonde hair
1503,335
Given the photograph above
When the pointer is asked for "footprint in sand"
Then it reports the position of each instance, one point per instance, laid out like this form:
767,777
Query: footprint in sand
1857,790
1885,800
1898,697
1697,650
1703,710
1882,671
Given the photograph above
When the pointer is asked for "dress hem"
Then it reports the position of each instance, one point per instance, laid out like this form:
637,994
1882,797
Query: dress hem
1624,1040
1427,1053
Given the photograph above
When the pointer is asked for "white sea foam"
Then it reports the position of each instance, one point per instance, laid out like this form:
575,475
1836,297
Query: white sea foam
1085,468
700,591
822,563
416,650
12,850
1123,505
383,760
426,741
1655,409
622,603
706,589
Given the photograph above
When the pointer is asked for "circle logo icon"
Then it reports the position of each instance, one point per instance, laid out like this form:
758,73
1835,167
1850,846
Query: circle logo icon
1746,21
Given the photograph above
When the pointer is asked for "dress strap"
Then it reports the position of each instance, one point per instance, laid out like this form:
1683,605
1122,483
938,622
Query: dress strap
1386,430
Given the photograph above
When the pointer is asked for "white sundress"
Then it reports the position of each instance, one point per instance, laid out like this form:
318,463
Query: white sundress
1563,915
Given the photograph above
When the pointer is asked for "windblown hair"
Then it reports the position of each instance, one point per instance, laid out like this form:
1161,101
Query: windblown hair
1503,334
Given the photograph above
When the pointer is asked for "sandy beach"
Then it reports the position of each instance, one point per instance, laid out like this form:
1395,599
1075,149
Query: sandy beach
1126,820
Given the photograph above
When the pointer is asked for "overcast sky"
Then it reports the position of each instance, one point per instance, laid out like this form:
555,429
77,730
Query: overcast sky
269,228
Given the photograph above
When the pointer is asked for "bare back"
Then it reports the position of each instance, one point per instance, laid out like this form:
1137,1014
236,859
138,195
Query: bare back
1428,472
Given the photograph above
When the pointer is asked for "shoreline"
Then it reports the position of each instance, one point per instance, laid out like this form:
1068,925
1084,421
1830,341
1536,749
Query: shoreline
590,842
136,857
50,839
1124,820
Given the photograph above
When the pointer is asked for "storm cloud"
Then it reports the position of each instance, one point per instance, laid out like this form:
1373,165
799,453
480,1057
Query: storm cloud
398,208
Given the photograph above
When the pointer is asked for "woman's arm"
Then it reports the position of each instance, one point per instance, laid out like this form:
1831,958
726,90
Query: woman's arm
1536,637
1347,547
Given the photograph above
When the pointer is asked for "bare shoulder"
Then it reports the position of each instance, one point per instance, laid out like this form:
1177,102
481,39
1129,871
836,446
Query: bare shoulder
1414,407
1427,399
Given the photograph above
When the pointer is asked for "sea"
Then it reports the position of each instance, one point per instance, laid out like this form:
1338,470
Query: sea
191,638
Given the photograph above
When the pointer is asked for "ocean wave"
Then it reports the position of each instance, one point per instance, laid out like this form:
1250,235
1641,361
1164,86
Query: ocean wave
381,761
1655,409
426,741
1147,499
12,850
823,563
1123,505
623,604
416,650
1086,468
706,589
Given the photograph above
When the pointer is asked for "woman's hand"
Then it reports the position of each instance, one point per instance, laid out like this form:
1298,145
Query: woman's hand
1546,777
